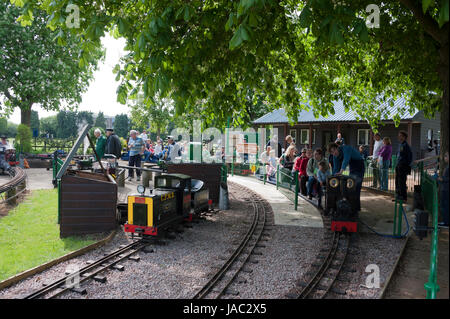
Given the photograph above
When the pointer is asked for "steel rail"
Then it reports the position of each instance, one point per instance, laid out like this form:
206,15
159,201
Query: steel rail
248,256
207,288
314,281
137,245
333,279
17,179
327,261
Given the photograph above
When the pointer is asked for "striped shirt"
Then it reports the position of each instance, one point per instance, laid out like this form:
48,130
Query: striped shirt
136,145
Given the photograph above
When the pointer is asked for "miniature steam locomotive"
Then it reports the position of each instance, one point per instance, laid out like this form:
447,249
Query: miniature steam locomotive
175,198
341,202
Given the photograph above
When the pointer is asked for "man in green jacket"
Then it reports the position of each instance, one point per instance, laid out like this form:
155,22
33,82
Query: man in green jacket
101,143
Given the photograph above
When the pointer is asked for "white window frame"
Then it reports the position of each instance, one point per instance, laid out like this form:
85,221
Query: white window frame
367,135
293,133
307,135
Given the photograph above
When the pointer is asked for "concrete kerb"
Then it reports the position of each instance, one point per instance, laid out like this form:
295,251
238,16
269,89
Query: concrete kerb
30,272
388,280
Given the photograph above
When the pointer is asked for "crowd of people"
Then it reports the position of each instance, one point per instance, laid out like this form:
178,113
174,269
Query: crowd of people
314,167
140,148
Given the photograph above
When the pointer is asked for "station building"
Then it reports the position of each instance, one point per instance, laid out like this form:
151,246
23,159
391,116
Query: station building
315,132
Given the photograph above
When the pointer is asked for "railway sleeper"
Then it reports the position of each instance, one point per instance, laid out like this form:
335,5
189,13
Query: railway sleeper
101,279
118,267
78,290
232,292
134,258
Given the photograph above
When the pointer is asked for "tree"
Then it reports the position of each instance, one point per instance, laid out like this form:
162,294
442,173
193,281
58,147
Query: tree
121,125
23,138
34,122
100,121
37,69
3,125
207,55
84,117
67,124
49,125
153,113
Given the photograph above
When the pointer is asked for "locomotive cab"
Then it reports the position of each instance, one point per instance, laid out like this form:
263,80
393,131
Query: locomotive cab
181,185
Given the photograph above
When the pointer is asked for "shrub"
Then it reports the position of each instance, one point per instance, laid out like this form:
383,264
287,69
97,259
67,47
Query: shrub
23,138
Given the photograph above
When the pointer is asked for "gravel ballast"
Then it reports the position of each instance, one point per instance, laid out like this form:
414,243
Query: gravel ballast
179,268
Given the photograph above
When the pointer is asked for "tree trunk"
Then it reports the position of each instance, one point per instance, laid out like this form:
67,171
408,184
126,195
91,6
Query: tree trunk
444,75
26,116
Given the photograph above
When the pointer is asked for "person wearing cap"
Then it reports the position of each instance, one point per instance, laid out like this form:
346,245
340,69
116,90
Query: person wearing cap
173,149
136,146
100,145
4,145
113,144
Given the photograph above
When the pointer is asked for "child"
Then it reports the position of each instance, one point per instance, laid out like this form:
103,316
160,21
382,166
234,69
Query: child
301,162
322,174
443,181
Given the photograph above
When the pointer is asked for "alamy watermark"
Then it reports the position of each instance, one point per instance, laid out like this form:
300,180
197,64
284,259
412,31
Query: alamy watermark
373,279
373,20
73,19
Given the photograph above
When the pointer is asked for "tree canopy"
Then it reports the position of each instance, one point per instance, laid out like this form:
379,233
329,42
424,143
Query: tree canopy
208,55
121,125
100,121
41,66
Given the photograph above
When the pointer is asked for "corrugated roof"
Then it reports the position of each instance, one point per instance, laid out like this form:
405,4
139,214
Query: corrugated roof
279,115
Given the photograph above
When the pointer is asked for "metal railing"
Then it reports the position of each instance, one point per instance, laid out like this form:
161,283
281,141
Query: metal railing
374,174
430,196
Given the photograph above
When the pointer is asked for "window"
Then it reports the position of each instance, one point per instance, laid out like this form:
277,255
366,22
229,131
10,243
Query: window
363,136
293,133
304,136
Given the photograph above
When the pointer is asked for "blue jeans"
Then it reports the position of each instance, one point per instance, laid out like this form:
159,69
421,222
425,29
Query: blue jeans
310,184
384,174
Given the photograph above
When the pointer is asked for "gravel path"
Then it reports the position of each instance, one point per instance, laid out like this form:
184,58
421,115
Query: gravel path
179,268
367,250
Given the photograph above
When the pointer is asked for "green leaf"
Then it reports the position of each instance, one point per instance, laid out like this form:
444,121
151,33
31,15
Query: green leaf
230,22
443,13
253,19
305,17
426,4
187,13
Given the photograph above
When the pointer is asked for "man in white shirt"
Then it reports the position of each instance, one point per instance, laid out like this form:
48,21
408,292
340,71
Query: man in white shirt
173,151
378,143
144,136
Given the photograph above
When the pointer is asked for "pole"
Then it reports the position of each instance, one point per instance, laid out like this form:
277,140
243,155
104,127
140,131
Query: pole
296,190
431,286
278,175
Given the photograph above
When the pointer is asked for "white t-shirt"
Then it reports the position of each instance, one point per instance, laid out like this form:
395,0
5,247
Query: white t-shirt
144,137
264,157
376,148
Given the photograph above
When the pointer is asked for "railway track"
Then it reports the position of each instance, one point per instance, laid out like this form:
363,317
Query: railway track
18,177
329,263
220,282
91,271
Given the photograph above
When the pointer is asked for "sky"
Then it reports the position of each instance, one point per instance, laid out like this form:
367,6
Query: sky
101,95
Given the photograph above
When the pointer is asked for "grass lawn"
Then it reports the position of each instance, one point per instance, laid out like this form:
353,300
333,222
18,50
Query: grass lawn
29,235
